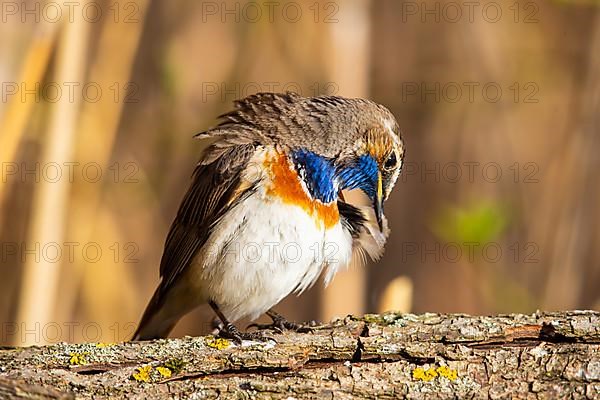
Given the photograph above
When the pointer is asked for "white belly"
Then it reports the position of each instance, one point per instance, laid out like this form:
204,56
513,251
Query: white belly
264,251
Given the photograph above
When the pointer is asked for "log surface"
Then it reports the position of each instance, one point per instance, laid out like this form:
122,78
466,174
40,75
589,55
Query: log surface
429,356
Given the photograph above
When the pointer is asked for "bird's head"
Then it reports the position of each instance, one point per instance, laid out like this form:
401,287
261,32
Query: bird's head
335,143
374,164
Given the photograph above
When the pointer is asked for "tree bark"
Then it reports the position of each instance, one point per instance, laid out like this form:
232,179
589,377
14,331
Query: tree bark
429,356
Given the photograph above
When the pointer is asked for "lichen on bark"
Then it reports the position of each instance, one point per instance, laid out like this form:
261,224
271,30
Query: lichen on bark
428,356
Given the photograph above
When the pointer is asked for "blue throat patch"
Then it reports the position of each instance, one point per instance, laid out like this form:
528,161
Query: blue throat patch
323,179
362,175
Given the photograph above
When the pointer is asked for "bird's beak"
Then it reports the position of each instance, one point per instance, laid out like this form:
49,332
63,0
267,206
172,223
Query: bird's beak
378,202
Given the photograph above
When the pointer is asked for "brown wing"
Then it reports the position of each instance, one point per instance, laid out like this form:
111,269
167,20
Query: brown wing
214,190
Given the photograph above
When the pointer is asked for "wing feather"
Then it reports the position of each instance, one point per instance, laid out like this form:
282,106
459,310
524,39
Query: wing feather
217,186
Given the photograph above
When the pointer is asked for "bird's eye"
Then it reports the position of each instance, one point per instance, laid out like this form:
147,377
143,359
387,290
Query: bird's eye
391,162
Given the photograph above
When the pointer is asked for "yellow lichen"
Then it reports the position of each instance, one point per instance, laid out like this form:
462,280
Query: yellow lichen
448,373
77,358
424,375
218,343
175,365
103,345
142,374
431,373
164,372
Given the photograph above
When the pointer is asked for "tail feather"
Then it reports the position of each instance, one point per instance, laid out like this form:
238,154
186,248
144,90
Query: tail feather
157,322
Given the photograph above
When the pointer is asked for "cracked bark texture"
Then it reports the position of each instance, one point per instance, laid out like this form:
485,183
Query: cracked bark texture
429,356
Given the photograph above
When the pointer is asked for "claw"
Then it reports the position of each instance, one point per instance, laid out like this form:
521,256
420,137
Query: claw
231,332
227,330
260,327
280,324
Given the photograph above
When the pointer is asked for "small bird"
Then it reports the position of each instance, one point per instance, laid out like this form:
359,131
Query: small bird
265,214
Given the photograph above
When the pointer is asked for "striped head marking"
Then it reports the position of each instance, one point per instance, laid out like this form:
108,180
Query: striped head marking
375,163
387,149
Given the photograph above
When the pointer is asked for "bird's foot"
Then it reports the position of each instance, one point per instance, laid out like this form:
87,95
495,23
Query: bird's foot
233,333
281,324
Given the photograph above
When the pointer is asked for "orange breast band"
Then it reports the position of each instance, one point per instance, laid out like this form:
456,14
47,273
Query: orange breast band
285,184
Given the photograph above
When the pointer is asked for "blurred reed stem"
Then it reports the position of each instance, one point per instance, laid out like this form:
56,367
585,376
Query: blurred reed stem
573,236
103,285
18,112
40,280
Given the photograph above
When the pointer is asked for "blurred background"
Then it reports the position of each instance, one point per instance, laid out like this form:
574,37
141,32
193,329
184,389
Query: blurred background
496,210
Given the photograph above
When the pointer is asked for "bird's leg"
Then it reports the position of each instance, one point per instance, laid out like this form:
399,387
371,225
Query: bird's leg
281,324
229,331
217,325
